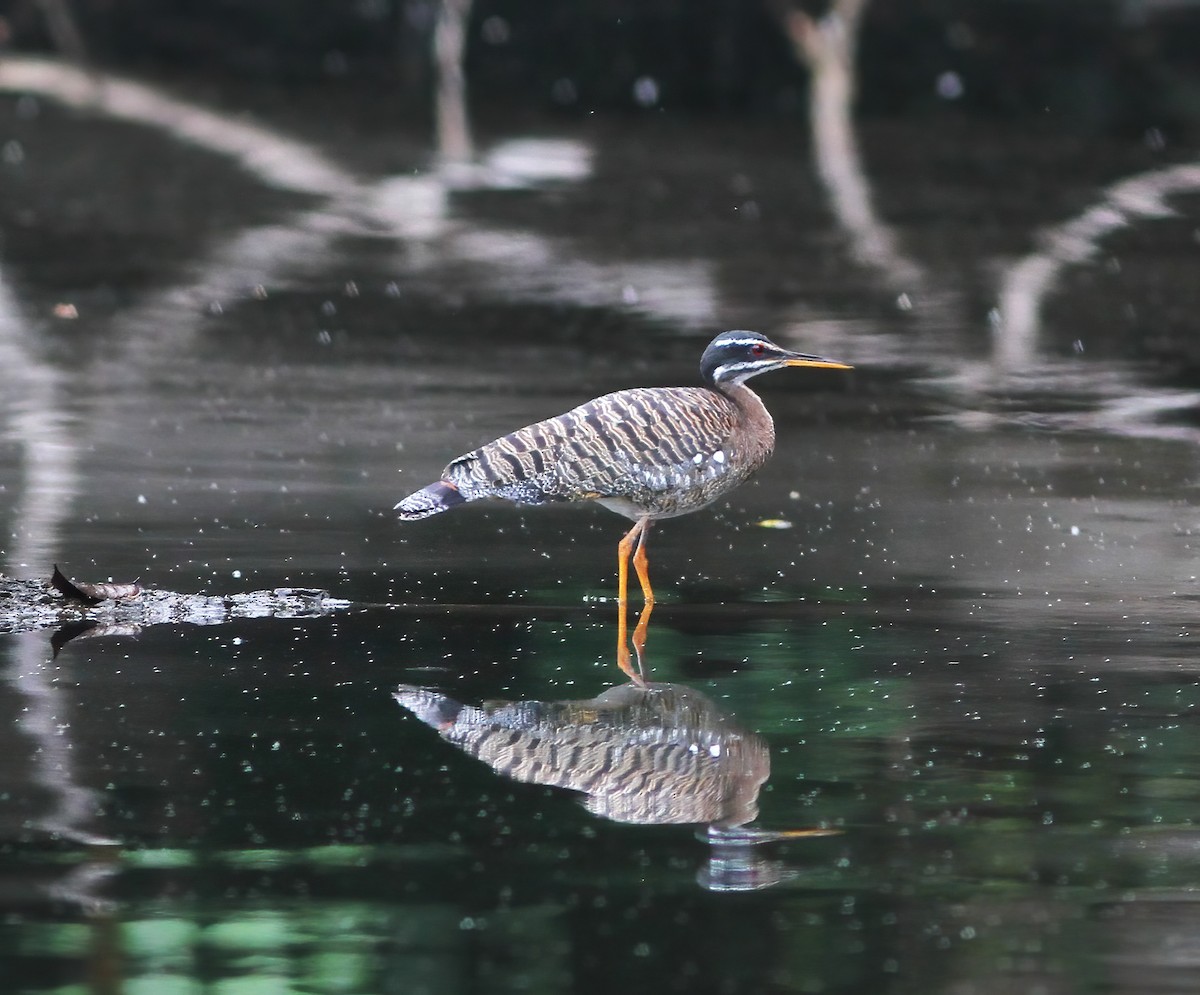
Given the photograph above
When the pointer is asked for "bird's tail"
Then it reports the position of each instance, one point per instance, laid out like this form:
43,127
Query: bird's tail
432,500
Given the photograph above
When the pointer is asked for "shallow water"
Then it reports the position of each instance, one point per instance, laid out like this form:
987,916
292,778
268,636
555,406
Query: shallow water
964,634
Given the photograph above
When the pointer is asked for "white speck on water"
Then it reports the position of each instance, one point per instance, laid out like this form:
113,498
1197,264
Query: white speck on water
719,456
645,91
1074,530
141,499
236,574
496,30
698,458
950,85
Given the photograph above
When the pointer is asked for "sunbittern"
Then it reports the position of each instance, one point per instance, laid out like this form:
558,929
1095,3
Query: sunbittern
651,755
646,453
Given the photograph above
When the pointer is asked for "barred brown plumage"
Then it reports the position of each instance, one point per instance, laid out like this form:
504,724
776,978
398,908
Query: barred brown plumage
646,453
638,445
651,755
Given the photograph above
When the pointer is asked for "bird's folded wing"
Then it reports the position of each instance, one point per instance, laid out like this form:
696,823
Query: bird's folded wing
615,445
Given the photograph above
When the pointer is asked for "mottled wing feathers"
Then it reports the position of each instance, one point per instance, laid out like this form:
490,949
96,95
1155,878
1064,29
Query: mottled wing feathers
622,445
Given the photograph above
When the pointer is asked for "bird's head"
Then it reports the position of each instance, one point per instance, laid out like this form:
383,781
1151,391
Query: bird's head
733,357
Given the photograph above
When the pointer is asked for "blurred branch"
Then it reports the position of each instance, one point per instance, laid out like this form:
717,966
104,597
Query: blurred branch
817,42
827,46
64,29
450,50
1025,284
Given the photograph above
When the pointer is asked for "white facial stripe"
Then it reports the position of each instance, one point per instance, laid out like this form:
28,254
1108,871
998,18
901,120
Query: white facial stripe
734,371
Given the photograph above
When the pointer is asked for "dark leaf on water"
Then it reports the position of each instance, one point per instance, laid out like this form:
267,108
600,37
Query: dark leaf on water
69,590
92,594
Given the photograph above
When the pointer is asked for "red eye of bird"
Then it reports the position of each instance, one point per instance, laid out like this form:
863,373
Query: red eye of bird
757,349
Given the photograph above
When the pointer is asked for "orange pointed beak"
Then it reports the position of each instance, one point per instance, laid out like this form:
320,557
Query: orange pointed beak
816,362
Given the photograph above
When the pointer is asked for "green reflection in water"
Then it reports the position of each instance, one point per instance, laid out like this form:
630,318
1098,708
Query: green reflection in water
999,819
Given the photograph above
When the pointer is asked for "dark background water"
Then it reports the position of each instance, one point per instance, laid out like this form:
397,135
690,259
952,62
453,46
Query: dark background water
971,653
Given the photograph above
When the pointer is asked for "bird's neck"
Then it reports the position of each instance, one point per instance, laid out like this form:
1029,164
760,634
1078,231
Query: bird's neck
755,431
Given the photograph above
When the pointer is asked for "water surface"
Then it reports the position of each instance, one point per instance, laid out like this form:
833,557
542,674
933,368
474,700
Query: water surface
964,634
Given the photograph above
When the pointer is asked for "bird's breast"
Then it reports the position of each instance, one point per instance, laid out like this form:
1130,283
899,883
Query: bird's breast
665,491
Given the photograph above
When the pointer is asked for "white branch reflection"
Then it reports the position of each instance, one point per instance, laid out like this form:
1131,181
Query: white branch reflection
827,46
414,209
49,448
1026,284
280,162
450,102
49,483
45,719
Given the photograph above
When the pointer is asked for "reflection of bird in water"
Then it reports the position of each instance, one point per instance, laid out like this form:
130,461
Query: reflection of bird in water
656,754
646,453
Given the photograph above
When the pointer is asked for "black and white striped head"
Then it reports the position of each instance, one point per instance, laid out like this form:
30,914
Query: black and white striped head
734,357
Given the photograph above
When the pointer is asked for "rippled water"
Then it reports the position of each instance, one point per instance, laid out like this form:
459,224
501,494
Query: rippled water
956,610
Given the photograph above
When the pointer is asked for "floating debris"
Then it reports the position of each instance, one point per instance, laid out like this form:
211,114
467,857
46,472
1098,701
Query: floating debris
26,605
92,594
774,523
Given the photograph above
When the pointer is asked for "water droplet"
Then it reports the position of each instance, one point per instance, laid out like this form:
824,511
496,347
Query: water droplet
950,85
495,30
645,91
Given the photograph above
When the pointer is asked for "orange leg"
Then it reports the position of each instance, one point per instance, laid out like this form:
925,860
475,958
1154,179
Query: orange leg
634,542
642,564
639,640
624,548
